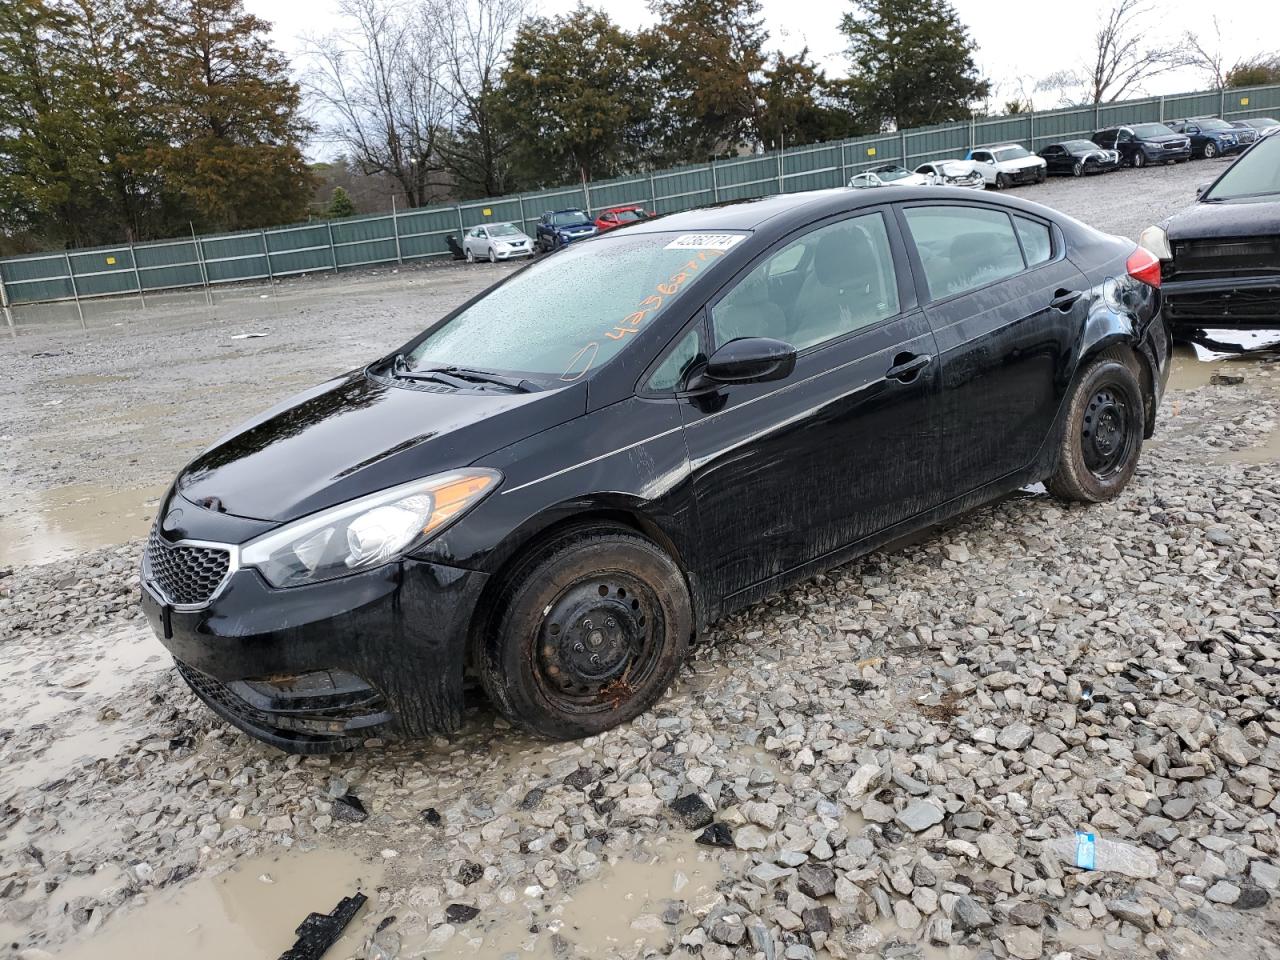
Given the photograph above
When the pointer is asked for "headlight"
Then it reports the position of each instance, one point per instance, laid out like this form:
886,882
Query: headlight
1157,241
367,532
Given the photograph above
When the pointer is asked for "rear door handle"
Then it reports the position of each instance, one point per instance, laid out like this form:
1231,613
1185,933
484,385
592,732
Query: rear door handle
1064,300
907,366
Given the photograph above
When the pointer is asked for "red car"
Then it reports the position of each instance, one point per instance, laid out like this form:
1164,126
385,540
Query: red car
620,216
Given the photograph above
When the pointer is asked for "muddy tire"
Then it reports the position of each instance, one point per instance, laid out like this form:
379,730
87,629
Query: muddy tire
1102,437
592,627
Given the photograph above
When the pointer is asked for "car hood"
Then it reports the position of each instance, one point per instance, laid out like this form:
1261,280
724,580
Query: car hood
1021,163
1166,138
1229,218
356,435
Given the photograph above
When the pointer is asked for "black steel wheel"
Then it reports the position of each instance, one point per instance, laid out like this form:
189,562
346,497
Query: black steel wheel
590,631
1077,169
1102,435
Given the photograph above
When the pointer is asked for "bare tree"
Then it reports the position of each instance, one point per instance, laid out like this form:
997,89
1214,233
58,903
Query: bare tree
380,93
1121,60
1205,54
474,38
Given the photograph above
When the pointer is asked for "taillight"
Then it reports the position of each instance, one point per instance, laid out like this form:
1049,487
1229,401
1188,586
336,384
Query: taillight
1144,266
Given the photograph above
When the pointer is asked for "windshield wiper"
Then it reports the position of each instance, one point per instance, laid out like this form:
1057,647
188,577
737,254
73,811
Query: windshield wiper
458,376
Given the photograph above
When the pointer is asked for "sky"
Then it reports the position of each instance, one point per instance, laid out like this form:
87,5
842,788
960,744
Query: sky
1018,42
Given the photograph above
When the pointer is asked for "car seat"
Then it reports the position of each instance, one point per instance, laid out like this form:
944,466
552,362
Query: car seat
749,312
842,292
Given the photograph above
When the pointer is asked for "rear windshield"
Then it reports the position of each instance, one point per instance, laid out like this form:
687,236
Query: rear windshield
1255,174
626,216
569,218
1151,130
1011,153
572,312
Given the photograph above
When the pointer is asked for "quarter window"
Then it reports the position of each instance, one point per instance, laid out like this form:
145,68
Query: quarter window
683,357
962,248
830,282
1036,245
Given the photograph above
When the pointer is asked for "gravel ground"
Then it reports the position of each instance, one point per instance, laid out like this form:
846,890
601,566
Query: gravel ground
891,760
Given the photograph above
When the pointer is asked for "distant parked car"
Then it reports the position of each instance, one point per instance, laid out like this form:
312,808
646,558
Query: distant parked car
890,174
496,241
1078,157
559,228
612,217
1265,126
953,173
1246,133
1220,257
1210,137
1142,143
1007,164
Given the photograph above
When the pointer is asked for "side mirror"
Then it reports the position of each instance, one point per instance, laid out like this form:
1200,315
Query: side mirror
991,162
750,360
1201,189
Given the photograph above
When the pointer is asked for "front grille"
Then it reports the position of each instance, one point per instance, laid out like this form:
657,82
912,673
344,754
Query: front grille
1177,145
185,575
1242,257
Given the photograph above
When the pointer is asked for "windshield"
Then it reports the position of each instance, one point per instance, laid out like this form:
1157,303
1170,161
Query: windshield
568,218
1256,173
1262,123
1074,145
1151,130
576,310
1212,124
1011,153
503,230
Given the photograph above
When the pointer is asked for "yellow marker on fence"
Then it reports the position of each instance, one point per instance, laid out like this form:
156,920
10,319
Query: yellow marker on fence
871,151
111,261
488,212
1244,101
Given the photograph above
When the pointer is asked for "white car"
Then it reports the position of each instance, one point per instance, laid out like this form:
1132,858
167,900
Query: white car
496,241
1007,164
889,175
953,173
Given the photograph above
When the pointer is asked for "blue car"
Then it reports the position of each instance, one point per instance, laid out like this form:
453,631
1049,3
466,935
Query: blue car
1209,136
559,228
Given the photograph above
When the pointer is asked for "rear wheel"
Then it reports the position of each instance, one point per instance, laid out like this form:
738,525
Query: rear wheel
1102,437
593,627
1077,169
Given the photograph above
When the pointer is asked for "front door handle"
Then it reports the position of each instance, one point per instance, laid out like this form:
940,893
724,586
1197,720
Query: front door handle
907,366
1064,300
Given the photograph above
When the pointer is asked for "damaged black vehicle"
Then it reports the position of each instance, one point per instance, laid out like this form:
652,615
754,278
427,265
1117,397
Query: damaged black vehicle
558,486
1220,258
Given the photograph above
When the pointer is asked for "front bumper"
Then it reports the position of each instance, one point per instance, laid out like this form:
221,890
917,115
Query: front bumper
319,668
513,254
1161,155
1236,302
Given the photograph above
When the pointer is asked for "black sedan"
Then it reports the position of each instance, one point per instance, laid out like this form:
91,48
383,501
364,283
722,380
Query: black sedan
1079,157
1221,256
557,487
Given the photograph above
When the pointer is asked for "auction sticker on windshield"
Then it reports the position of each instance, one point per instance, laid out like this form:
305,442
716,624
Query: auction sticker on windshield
704,241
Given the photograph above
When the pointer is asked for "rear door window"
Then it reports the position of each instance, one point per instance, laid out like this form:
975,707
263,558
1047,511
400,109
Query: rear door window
963,248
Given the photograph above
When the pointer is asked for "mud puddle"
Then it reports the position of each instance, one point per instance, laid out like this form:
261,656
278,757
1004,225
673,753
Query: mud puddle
250,911
38,526
60,714
618,912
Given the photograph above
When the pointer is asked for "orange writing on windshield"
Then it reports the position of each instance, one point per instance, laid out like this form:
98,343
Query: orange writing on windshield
667,288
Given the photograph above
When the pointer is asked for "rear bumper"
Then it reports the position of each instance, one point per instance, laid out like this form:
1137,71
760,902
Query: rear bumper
1237,302
318,669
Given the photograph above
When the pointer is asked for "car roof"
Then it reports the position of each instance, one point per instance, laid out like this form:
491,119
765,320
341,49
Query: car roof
808,206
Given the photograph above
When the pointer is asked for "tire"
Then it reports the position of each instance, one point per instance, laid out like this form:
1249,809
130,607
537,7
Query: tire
1002,182
1077,169
1139,160
590,631
1102,436
492,257
1041,175
1210,151
471,255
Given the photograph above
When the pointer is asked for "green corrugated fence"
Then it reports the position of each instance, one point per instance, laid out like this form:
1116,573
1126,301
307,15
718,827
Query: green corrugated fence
399,236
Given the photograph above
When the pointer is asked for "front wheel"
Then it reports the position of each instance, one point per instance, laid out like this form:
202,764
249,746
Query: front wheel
1139,159
1001,181
493,258
1102,436
1077,169
1210,151
592,627
471,255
